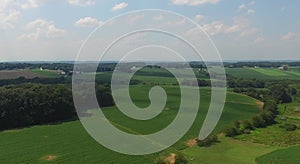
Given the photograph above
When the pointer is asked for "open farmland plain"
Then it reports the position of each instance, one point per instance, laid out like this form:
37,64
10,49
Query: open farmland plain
68,142
264,73
26,73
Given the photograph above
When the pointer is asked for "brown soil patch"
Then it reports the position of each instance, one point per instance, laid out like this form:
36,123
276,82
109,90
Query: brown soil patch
170,159
166,108
191,142
49,157
260,104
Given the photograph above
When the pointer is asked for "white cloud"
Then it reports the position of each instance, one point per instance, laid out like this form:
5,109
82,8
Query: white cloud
291,36
133,18
249,32
88,22
8,15
251,12
199,17
159,17
119,6
240,27
194,2
43,28
30,4
8,18
82,3
245,6
242,6
259,39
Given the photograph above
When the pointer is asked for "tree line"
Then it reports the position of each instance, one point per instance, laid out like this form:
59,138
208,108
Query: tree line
35,104
272,94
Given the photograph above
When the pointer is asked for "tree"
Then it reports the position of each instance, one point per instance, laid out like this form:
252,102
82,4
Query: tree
208,141
246,125
289,127
180,159
268,117
258,122
231,132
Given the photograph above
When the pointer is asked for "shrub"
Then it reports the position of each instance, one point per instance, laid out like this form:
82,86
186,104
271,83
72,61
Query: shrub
231,132
180,159
160,160
289,127
208,141
258,122
246,125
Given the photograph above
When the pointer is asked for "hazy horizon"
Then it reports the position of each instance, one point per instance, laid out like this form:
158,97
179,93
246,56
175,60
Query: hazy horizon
40,30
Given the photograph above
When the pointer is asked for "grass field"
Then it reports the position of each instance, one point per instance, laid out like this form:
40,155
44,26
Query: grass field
287,155
29,74
227,151
70,143
264,73
46,73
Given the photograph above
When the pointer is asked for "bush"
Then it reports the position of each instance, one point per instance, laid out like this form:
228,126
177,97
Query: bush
289,127
180,159
246,125
268,117
208,141
258,122
231,132
160,160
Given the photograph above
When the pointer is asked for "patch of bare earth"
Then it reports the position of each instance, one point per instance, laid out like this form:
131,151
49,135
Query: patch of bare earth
191,142
49,157
260,104
170,159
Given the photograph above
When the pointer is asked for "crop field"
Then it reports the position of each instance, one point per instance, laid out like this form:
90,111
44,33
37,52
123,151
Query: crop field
13,74
69,141
46,73
287,155
264,73
28,74
227,151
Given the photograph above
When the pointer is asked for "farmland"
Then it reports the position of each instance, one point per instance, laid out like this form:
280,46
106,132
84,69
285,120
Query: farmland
69,141
264,73
26,73
287,155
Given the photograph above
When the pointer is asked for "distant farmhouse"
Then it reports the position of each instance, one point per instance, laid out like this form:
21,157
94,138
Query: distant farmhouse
283,68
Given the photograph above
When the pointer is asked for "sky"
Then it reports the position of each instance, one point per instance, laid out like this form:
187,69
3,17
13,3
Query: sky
56,29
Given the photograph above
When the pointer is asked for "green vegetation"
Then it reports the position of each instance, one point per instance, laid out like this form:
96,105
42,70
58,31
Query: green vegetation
14,74
287,155
252,126
46,73
64,143
55,143
264,73
228,150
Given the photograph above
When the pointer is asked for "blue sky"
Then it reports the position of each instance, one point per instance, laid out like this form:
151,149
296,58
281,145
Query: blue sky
241,30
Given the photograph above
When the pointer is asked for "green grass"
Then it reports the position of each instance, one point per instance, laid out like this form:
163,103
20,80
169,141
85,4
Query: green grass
14,74
264,73
70,143
227,151
288,156
272,135
46,73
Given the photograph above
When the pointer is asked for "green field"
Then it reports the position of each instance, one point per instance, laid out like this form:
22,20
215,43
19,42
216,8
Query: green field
46,73
68,142
28,74
227,151
287,155
264,73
